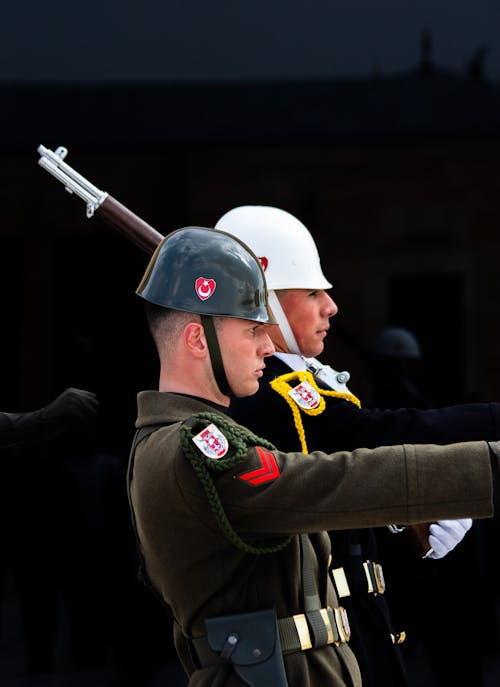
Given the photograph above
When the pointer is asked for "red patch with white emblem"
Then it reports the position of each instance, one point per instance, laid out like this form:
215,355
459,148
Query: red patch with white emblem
264,262
268,471
204,288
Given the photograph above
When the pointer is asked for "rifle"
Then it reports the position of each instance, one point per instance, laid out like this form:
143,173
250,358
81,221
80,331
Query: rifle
147,238
99,202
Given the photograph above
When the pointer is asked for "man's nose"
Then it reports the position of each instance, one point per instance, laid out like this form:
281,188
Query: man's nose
267,346
330,308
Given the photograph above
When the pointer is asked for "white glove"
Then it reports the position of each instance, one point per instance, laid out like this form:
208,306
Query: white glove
444,535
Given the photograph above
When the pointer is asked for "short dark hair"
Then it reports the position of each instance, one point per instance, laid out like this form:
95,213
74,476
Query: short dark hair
166,324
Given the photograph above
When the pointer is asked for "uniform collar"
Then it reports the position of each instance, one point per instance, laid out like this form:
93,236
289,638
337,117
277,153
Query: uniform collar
162,407
292,360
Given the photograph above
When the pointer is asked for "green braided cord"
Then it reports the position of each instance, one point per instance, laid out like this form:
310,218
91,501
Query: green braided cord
239,440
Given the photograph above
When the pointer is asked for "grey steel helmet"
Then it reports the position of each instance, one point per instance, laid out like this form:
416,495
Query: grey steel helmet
208,272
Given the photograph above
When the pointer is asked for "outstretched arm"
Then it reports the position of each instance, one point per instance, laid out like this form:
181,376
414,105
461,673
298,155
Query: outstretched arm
72,409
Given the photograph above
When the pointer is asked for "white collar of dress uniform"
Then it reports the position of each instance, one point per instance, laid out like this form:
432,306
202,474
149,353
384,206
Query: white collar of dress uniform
295,362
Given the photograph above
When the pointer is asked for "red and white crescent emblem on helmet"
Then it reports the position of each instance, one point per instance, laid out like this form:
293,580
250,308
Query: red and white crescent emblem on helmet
204,288
264,262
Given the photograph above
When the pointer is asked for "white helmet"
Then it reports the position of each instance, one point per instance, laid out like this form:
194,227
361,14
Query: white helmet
286,250
397,342
283,244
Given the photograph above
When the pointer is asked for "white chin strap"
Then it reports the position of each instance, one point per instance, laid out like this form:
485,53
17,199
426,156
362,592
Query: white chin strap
281,319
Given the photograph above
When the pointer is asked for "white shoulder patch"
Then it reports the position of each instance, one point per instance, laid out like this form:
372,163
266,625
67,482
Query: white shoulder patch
305,395
212,442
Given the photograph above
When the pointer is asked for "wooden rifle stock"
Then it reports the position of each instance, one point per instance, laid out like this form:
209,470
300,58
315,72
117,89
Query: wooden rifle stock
419,535
130,225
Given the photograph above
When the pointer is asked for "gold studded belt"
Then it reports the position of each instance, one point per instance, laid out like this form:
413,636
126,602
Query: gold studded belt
372,576
314,629
297,633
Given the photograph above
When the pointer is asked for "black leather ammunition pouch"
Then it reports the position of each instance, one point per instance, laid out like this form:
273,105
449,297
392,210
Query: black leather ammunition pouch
251,642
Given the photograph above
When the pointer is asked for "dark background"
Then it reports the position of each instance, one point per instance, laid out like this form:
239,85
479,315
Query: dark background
376,124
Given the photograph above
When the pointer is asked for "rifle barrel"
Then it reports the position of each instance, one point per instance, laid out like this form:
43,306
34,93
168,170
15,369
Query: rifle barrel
120,217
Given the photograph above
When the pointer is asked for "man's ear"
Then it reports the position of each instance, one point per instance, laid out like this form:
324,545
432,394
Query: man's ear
194,339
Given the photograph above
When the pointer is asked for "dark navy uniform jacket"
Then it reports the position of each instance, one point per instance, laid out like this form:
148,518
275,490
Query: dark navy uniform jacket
344,426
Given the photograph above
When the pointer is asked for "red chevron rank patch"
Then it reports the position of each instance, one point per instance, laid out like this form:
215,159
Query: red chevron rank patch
267,473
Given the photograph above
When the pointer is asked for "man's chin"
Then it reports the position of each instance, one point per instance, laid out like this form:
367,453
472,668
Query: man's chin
249,390
314,352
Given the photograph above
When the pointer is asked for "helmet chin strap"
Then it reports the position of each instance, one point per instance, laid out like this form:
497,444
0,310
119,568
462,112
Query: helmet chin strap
215,355
283,323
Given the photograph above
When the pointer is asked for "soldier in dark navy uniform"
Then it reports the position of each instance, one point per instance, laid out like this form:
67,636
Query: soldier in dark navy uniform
299,300
222,516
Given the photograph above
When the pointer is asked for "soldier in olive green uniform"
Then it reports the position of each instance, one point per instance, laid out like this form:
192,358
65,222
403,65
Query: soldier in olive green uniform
222,516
